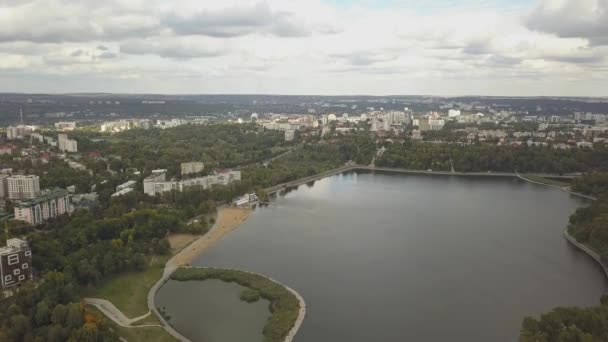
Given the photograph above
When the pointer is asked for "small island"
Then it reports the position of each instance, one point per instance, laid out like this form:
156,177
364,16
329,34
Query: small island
285,305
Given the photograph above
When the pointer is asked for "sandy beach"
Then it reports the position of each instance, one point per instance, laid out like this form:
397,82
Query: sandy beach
227,220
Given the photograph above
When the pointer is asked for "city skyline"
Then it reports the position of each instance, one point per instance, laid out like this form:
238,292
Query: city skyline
331,47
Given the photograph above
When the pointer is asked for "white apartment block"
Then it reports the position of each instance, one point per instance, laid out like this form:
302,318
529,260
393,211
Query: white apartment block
156,184
67,145
23,186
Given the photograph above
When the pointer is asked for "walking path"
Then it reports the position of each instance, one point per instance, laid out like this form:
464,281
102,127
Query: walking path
116,315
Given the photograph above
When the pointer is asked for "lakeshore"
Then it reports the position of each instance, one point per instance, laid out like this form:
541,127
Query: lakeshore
230,218
308,227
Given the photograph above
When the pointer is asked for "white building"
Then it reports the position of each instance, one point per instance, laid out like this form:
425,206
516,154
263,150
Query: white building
65,126
50,204
289,135
157,184
436,124
23,186
192,167
453,113
67,145
18,132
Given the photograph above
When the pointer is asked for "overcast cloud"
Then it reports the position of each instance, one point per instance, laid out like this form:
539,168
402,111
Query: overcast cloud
493,47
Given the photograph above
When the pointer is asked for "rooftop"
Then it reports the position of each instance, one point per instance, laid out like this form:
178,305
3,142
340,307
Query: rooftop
45,196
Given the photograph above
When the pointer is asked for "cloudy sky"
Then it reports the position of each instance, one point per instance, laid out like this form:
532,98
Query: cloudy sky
437,47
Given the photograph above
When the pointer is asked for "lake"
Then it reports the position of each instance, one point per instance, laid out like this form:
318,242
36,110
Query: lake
393,257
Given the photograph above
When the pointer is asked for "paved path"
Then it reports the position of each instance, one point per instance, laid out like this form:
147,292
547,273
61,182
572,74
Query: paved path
111,311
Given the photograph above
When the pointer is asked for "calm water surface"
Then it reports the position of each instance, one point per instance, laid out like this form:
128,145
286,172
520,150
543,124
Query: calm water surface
389,257
211,311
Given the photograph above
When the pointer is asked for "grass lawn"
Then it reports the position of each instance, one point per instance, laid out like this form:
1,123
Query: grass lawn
129,291
153,334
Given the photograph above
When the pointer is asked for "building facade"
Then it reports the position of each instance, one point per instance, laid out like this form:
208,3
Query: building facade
15,263
192,167
23,186
156,184
50,204
67,145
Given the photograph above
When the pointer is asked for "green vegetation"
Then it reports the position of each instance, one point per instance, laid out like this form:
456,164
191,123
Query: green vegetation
249,295
593,184
481,158
284,305
129,291
155,334
588,226
51,312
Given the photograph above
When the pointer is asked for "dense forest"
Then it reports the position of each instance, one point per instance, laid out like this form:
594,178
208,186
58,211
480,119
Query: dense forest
483,157
589,226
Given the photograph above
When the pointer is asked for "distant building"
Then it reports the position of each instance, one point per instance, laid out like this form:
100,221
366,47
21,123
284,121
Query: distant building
23,187
192,167
157,183
50,204
4,185
453,113
18,132
15,263
255,117
7,150
289,135
66,126
67,145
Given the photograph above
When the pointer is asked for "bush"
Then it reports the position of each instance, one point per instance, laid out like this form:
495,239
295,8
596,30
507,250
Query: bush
250,295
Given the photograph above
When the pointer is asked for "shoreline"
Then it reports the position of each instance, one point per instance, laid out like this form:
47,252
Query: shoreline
587,250
184,257
343,169
222,226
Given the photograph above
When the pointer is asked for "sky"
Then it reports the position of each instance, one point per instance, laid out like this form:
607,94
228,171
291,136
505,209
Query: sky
291,47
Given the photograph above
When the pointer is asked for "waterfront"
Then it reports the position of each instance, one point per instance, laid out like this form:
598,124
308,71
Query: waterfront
410,257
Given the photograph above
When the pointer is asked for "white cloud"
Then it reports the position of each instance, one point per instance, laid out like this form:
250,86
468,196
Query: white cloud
305,46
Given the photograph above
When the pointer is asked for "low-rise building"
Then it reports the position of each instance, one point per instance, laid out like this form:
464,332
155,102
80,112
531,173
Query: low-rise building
122,192
50,204
15,263
128,185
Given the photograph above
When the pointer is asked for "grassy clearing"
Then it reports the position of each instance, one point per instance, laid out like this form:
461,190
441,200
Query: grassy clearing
284,305
129,291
